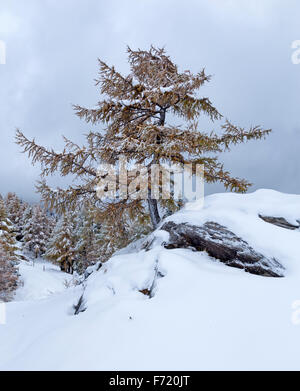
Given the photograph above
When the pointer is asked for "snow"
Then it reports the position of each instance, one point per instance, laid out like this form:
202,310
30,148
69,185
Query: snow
39,280
240,214
203,316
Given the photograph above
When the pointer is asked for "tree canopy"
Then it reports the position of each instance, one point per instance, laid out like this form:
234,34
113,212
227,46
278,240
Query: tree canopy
135,113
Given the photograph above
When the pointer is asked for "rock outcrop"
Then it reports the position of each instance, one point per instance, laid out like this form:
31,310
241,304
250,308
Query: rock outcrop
222,244
280,222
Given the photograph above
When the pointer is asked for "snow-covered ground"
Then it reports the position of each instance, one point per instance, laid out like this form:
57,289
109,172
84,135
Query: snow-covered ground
203,316
40,279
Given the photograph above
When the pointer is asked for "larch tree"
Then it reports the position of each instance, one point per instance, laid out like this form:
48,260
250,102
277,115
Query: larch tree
87,251
97,241
36,232
25,218
15,209
60,248
136,112
8,275
7,236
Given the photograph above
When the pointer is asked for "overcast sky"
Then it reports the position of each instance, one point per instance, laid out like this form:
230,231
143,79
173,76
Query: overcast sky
51,62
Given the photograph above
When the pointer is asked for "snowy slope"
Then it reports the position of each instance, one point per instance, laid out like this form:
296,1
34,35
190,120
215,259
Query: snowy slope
40,279
203,316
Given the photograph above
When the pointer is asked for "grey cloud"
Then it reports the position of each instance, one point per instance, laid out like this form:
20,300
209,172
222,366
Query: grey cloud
52,50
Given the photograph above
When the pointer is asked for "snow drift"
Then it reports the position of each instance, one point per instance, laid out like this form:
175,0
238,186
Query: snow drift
154,308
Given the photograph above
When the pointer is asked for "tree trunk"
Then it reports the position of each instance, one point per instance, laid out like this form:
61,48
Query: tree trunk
71,267
152,203
65,263
153,209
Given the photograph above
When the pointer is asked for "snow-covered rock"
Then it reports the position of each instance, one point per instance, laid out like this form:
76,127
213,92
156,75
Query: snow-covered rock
280,222
221,244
